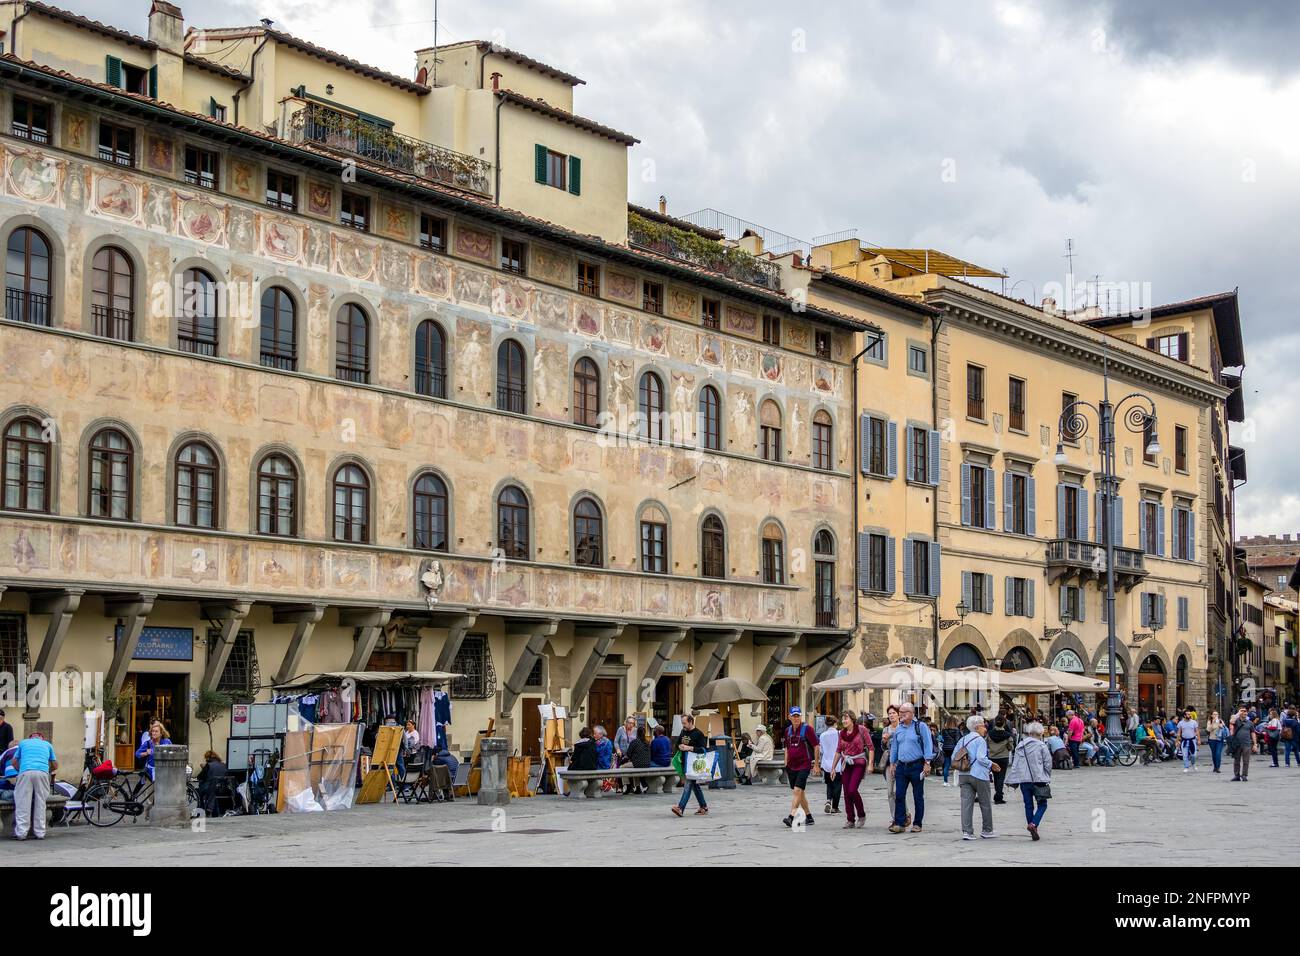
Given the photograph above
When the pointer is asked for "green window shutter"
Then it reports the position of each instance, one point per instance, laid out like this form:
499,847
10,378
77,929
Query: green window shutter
575,175
153,82
113,71
212,107
539,154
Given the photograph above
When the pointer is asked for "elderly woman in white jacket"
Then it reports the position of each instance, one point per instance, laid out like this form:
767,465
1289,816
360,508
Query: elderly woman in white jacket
1031,767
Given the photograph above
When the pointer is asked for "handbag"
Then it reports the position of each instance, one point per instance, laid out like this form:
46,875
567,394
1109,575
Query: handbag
1042,791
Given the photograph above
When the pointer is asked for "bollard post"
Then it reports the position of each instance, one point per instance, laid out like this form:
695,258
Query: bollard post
493,788
170,807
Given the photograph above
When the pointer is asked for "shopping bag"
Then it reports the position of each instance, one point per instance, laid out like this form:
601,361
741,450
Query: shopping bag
702,767
677,764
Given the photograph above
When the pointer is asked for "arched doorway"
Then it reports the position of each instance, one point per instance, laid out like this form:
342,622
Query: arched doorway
1180,683
1017,659
1151,688
958,697
963,655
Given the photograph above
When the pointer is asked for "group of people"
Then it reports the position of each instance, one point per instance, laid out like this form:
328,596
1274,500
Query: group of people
633,745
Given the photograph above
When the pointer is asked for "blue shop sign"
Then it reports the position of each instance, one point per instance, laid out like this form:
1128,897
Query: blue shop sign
162,643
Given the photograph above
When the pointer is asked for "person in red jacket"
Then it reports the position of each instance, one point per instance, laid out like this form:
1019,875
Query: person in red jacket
802,757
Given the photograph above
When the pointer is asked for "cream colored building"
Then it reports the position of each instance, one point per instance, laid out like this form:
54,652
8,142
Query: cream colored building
286,394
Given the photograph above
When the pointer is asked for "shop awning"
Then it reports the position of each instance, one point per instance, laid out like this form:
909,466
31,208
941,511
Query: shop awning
1065,681
334,678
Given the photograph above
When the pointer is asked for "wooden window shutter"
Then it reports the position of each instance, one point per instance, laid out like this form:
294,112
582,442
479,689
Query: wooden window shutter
113,71
1184,354
1151,344
539,162
575,175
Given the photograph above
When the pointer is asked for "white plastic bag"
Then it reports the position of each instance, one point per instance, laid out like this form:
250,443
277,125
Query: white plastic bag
701,767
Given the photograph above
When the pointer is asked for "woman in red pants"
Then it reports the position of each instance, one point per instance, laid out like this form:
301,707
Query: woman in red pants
854,758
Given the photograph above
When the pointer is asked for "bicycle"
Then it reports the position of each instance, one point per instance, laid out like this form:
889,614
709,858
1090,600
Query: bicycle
1125,754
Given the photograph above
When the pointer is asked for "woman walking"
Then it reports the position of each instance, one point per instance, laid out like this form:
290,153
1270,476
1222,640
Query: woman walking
1216,732
1273,733
854,759
1031,769
973,754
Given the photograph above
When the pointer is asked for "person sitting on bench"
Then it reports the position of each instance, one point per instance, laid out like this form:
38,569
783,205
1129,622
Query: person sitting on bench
638,755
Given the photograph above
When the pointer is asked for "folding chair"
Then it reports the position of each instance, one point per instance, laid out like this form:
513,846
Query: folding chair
414,783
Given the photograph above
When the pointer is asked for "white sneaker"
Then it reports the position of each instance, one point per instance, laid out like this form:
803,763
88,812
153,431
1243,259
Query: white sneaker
1184,770
945,783
968,836
988,836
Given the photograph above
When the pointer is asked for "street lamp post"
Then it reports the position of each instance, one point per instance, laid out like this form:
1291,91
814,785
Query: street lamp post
1138,412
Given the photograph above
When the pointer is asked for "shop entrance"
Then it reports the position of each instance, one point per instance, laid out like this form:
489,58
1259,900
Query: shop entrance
530,742
668,701
1151,688
781,696
162,697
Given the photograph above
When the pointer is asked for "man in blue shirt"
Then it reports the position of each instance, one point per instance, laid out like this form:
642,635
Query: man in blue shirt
911,748
35,762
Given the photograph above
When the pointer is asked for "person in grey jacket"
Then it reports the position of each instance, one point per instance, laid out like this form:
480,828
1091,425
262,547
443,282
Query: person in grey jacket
974,783
1031,764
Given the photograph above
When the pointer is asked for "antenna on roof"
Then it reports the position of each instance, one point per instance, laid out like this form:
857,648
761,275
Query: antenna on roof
435,43
1069,274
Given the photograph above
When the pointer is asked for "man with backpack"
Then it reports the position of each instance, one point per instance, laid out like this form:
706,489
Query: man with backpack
802,757
911,748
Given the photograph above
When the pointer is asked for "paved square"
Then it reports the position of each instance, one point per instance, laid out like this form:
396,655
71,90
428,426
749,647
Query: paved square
1114,816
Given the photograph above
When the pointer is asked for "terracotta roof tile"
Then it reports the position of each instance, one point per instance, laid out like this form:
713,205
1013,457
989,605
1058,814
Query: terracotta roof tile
564,116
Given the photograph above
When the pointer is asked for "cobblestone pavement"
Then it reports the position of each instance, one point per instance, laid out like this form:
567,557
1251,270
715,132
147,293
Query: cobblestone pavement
1121,816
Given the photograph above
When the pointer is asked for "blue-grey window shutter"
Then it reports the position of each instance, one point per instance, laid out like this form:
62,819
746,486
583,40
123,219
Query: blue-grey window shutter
864,442
1061,530
909,573
1191,535
966,589
965,493
153,82
1008,518
1098,534
1182,614
990,499
891,459
932,445
1081,532
864,560
1065,600
1117,522
113,71
890,585
1031,507
1029,597
1142,526
934,568
909,456
1164,606
539,162
1105,612
1083,604
988,593
575,175
1160,530
1146,610
1009,593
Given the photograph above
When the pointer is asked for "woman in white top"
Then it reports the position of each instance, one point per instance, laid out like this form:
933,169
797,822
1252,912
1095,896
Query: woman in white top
1216,732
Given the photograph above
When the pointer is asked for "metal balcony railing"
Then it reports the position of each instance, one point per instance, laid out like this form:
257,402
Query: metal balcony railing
1069,557
113,323
357,137
713,256
431,380
30,307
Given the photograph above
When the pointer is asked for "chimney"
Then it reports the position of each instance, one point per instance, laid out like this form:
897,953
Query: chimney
663,205
751,242
167,27
496,82
1049,304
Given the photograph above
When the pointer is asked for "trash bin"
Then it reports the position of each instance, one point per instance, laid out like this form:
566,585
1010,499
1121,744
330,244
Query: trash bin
722,746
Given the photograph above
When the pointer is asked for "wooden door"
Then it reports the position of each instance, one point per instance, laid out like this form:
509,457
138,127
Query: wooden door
602,705
388,662
530,744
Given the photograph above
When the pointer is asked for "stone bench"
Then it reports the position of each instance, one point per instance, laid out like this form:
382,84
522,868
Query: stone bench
53,803
588,781
771,771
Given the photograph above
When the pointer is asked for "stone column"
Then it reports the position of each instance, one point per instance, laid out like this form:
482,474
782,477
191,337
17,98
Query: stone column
493,788
170,807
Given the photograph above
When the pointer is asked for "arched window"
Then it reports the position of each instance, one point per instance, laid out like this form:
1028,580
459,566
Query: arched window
586,393
651,407
511,390
430,510
588,534
112,297
279,330
352,356
824,578
512,523
769,431
710,424
430,360
27,277
773,545
27,459
196,315
821,441
351,504
654,540
713,548
196,486
277,497
111,464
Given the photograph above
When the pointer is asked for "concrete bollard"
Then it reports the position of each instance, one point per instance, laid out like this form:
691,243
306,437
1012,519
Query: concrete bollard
170,806
493,788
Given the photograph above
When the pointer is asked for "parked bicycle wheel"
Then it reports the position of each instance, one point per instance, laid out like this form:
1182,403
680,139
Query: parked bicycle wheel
101,805
1126,756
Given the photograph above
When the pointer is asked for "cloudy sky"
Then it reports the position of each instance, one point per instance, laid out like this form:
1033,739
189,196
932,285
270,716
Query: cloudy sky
1159,137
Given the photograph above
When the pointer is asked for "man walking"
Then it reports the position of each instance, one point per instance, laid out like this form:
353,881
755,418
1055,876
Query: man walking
802,757
1074,730
829,743
1291,735
35,762
911,748
691,741
1240,744
1189,738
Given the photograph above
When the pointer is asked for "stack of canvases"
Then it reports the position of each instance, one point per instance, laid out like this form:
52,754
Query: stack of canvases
318,767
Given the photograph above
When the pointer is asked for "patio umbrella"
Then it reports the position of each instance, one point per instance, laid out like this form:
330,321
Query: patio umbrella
1008,682
900,675
728,690
1065,681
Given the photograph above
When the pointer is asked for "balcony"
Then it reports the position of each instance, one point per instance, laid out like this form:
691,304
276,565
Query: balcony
1081,561
730,261
22,305
341,133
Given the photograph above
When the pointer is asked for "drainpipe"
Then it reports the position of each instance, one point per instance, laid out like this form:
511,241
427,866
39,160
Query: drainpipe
496,194
856,465
935,325
13,30
252,75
